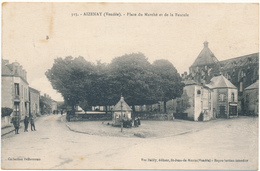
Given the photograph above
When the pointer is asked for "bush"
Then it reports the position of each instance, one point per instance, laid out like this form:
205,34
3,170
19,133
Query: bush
6,111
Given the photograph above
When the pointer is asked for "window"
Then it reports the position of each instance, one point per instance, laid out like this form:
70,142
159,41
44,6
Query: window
222,97
22,92
233,97
16,86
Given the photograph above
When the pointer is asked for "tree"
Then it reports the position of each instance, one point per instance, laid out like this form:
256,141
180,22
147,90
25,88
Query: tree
6,111
132,77
45,105
170,80
72,78
84,104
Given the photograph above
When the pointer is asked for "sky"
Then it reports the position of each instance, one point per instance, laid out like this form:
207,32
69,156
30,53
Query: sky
34,34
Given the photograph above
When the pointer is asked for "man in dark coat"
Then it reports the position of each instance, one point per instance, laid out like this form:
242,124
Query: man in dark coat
26,122
16,123
32,124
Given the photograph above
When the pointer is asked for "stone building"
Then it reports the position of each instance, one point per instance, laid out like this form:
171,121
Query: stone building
251,99
54,106
34,101
15,88
225,97
199,101
240,71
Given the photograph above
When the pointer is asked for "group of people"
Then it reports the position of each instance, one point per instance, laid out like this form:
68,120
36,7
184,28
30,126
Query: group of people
16,122
127,123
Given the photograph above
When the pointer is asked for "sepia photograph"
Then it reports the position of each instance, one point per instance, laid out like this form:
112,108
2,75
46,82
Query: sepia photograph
139,86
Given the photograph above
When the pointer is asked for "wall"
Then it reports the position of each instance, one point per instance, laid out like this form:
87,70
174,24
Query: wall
24,97
219,103
7,92
251,101
190,91
35,103
197,104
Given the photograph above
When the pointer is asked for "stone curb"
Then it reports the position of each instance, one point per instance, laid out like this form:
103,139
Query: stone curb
74,130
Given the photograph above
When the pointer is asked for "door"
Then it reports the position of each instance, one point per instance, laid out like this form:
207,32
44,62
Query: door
222,111
232,110
16,108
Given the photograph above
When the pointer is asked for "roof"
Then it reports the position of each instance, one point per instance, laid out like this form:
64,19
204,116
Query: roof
220,82
34,90
206,57
122,105
189,82
253,86
6,70
239,61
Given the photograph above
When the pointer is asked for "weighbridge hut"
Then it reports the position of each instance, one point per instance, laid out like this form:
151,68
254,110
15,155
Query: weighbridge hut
120,112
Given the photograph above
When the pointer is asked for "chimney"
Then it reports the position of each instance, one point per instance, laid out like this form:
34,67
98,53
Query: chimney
206,44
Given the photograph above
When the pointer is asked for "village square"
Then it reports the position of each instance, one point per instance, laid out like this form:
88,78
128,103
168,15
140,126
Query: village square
125,86
219,113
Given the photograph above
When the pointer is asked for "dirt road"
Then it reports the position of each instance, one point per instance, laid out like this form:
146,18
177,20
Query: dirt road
227,144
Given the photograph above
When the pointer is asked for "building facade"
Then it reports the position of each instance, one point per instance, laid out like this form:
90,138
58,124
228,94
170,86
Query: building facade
15,88
240,71
34,96
251,98
198,105
225,97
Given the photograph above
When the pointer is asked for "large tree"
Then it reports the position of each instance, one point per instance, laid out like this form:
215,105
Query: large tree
132,77
72,77
170,80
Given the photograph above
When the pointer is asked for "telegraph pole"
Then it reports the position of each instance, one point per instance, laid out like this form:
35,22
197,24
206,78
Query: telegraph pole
121,100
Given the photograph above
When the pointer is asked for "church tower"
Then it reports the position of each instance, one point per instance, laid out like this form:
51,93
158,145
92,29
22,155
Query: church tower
203,65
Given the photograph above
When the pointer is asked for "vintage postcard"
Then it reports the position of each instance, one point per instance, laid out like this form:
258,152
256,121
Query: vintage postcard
89,85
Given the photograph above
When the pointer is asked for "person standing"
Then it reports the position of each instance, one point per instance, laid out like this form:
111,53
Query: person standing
26,122
16,123
32,124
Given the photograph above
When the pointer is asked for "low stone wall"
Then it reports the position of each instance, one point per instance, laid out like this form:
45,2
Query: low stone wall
155,116
183,116
6,122
89,117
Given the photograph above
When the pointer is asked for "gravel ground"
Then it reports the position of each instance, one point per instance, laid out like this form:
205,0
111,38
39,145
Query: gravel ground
147,129
223,144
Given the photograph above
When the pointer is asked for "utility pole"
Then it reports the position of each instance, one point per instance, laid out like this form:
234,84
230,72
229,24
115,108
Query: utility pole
121,100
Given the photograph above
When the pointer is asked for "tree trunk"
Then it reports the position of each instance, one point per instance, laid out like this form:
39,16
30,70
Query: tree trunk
106,109
164,106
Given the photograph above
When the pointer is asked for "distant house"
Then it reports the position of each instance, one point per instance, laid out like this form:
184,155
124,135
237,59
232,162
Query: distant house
34,96
54,106
225,97
15,89
251,103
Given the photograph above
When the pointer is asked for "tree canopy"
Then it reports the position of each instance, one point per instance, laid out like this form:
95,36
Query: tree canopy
131,75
